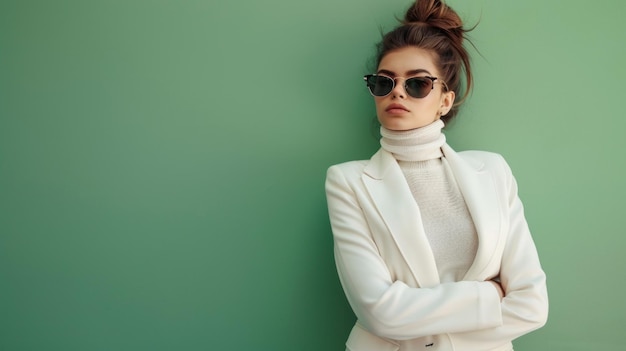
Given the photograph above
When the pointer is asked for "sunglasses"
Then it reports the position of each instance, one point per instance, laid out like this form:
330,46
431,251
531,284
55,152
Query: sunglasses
417,87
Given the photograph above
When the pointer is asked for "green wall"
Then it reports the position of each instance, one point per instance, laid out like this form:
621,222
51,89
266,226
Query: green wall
162,165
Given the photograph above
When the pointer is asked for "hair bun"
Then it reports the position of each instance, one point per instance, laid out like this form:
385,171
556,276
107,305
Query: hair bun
435,13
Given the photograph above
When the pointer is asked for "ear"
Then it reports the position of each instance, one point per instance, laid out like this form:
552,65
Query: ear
447,101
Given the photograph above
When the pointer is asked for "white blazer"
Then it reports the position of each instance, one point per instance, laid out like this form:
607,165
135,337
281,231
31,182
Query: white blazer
388,271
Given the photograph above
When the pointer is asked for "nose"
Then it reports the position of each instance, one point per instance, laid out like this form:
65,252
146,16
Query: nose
398,89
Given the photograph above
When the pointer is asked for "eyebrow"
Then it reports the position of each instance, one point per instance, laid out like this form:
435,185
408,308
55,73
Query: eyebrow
408,73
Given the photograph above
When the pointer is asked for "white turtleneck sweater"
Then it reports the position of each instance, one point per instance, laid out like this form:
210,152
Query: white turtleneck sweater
446,219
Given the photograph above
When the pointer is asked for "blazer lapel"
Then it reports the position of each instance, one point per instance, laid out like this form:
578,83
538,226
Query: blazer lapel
480,194
390,192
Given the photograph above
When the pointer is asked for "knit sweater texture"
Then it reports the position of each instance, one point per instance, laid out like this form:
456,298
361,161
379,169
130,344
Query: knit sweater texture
444,213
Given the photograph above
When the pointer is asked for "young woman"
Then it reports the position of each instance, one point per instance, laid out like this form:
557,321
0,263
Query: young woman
431,245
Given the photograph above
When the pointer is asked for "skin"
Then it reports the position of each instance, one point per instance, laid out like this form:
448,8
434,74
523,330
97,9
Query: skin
410,112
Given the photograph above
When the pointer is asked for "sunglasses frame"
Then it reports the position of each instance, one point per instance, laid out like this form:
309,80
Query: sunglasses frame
393,85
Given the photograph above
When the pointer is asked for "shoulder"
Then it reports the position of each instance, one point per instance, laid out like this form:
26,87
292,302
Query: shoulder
486,157
348,170
343,179
487,161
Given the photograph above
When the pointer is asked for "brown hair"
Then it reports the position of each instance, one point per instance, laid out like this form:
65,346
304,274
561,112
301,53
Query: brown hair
432,25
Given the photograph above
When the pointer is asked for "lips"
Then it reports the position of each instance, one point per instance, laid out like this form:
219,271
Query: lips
396,108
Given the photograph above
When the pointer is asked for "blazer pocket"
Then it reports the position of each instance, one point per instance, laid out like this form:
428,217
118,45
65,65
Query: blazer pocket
362,340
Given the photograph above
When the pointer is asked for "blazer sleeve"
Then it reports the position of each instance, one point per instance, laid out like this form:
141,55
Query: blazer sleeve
525,305
388,308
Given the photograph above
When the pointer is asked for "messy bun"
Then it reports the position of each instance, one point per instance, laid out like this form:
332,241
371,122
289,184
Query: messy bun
432,25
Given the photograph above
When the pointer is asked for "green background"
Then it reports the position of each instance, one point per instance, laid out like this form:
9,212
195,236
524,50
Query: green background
162,165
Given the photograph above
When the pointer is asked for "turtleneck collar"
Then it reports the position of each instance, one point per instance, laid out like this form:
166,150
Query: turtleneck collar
419,144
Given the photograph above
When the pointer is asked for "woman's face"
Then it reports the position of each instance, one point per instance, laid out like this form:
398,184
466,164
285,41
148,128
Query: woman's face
400,111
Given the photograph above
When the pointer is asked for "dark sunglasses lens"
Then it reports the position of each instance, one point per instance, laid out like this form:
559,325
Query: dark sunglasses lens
380,85
419,87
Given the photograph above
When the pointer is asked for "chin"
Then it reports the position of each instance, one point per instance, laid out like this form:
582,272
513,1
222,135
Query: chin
398,125
395,123
399,128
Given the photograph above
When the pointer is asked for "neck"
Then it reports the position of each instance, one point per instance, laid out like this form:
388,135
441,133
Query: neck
419,144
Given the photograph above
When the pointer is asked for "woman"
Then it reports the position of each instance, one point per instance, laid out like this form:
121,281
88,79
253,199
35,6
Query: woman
431,246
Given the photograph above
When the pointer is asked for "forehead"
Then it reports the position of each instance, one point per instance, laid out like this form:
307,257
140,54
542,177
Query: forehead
408,59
